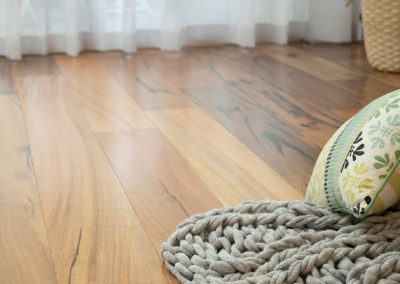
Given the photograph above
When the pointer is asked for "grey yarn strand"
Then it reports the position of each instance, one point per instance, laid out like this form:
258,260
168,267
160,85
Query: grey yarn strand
284,242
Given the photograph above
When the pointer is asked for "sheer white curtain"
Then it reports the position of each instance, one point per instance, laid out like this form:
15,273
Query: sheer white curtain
45,26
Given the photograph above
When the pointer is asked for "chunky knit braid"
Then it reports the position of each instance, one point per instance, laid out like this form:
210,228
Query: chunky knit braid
284,242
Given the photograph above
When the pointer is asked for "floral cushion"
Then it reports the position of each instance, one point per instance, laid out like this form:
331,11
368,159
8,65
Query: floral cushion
357,170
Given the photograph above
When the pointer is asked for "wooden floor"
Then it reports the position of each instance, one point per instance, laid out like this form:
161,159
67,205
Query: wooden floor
103,155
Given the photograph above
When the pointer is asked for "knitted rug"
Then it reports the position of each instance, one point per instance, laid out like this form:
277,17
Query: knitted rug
284,242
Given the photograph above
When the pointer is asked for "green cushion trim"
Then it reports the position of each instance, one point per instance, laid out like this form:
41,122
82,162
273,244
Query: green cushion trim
330,167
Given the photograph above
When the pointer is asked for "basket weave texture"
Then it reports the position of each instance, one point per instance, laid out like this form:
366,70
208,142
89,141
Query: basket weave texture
381,23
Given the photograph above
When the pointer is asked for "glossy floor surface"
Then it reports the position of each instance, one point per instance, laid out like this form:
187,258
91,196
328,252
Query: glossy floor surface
103,155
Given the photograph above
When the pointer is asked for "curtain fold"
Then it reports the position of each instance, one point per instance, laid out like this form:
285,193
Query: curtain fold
45,26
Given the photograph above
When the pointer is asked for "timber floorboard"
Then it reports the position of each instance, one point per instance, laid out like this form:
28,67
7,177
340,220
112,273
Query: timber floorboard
104,154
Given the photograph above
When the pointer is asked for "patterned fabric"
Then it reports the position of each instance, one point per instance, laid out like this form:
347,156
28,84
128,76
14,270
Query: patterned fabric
357,170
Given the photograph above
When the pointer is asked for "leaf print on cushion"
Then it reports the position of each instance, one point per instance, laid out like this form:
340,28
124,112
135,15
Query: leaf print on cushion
386,131
360,169
356,181
358,138
376,115
353,182
358,152
345,165
395,138
388,106
354,152
374,128
386,163
393,121
392,105
349,196
364,185
377,142
383,161
346,179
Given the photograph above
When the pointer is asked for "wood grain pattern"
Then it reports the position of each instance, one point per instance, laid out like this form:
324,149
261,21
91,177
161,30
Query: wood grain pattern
345,113
316,66
228,167
106,105
365,89
370,86
94,234
362,66
318,137
256,70
332,52
24,248
153,79
274,92
119,149
305,86
160,184
274,140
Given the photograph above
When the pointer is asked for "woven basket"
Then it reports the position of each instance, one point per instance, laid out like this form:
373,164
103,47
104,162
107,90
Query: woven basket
381,23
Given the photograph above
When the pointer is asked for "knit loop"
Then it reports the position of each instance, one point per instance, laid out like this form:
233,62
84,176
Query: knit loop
284,242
